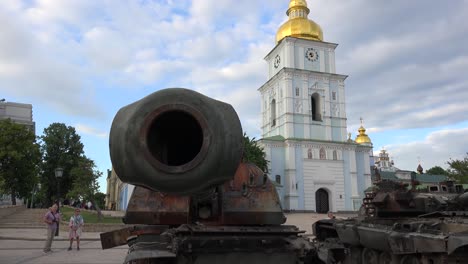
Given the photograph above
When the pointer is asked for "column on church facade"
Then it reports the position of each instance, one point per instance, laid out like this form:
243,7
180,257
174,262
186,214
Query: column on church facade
291,195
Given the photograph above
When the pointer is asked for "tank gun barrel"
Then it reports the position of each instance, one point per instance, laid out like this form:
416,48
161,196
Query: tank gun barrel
176,141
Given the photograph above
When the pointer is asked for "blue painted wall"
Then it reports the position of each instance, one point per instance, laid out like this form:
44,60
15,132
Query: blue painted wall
347,180
300,177
298,130
360,172
277,164
327,59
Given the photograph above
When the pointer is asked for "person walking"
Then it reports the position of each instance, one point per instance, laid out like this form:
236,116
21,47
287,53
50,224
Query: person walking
76,223
51,218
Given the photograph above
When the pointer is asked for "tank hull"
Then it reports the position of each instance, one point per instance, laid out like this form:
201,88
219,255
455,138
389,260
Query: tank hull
399,226
210,244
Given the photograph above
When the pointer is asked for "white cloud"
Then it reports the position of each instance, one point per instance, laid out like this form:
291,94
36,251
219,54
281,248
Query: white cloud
435,150
88,130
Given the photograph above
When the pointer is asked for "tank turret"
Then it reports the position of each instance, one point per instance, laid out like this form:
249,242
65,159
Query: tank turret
194,197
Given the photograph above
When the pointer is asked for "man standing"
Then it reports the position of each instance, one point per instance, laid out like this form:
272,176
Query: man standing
51,218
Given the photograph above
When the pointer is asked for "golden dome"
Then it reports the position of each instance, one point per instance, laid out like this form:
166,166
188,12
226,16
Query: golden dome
363,138
295,3
299,25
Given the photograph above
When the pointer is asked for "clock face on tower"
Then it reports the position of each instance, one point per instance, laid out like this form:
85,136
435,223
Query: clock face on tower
277,61
311,54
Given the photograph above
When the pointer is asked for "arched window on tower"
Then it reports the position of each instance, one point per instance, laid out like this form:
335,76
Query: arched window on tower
309,153
273,112
335,155
323,154
315,107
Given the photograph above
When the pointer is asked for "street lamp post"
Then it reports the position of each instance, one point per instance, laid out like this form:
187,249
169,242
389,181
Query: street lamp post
58,175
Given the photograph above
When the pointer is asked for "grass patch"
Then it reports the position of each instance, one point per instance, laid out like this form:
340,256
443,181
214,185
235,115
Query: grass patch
89,217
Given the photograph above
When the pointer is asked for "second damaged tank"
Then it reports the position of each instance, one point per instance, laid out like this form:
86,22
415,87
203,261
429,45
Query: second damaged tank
399,224
195,201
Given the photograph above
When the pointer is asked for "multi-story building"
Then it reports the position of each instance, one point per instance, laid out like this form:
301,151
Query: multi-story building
18,113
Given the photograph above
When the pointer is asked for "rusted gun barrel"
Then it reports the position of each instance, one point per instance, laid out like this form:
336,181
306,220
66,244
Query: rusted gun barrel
176,141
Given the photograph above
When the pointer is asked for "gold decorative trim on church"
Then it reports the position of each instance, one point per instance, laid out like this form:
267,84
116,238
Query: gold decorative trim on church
298,25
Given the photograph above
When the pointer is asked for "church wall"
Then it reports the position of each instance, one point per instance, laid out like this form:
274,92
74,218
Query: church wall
353,176
275,154
321,60
317,132
291,197
347,180
368,157
326,60
332,61
277,164
337,134
299,129
327,174
298,61
300,177
360,172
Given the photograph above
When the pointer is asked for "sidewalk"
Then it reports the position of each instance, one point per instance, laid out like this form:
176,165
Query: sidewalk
40,234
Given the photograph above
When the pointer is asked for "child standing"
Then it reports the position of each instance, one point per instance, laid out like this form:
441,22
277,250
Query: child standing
76,223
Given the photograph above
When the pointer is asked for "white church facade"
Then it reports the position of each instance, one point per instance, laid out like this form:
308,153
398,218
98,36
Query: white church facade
316,165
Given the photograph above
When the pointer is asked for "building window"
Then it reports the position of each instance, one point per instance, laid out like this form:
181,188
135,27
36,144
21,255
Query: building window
273,112
297,91
315,107
334,96
323,154
278,179
309,153
335,155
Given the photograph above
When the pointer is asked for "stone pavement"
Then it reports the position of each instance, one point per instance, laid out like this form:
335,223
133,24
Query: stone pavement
30,252
36,234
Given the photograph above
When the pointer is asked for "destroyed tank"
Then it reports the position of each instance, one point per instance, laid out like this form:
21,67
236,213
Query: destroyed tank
195,201
400,224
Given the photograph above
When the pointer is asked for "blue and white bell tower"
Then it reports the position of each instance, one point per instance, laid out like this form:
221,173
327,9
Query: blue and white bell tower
304,132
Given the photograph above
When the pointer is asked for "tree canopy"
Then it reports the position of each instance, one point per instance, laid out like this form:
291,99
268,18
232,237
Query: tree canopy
437,170
458,169
85,177
61,147
254,153
19,159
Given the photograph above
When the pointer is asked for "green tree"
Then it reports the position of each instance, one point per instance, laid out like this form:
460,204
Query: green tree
254,153
437,170
100,199
85,183
60,147
19,159
458,169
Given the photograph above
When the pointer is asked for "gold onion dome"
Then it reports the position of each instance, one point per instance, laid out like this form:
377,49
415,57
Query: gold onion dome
363,138
298,25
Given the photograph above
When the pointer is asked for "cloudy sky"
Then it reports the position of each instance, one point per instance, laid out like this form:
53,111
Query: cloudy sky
79,61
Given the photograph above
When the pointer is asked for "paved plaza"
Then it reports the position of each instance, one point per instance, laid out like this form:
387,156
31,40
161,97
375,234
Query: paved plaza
30,252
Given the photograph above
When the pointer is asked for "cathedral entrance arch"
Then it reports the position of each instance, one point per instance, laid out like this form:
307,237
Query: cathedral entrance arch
321,201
